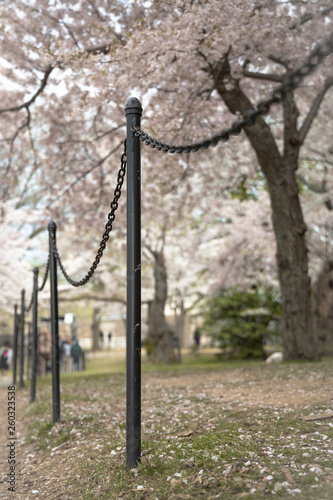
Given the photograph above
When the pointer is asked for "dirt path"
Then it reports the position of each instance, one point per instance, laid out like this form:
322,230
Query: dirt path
7,437
245,388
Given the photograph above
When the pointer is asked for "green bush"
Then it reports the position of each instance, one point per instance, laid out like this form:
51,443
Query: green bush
237,321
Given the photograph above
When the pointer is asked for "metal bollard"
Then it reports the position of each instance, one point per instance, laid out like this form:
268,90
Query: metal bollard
34,347
52,228
21,383
133,112
15,344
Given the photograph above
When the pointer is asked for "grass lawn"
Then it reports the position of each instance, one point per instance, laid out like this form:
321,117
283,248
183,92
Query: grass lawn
210,429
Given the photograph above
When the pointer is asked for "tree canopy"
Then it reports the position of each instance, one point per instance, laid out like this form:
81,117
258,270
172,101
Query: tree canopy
68,69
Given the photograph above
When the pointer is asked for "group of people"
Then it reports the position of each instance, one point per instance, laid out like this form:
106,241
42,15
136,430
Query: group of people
70,351
101,340
71,355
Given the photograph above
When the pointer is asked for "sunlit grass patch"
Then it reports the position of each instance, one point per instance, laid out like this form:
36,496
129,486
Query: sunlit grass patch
104,363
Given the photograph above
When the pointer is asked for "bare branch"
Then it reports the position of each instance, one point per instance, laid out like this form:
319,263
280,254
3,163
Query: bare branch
283,62
99,110
84,174
200,297
316,160
166,91
36,232
319,188
96,11
150,250
321,153
163,236
88,296
60,21
71,34
263,76
110,131
273,77
28,103
12,140
314,110
101,49
308,17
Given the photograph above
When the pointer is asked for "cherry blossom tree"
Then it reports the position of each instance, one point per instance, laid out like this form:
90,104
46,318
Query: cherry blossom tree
225,69
15,270
68,69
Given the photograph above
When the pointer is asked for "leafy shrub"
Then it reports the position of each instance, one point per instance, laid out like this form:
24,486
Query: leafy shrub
237,321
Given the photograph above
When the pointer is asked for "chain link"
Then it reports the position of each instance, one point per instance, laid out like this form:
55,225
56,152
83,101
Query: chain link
46,274
108,229
27,309
294,79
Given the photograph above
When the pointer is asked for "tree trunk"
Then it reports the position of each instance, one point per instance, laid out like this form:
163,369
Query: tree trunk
95,328
159,341
325,305
298,336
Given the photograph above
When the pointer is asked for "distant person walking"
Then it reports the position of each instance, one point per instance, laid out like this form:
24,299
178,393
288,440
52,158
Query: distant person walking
101,340
67,356
5,358
196,338
109,340
76,353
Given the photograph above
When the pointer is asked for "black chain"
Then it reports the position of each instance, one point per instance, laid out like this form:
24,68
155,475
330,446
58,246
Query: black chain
249,117
27,309
46,274
108,229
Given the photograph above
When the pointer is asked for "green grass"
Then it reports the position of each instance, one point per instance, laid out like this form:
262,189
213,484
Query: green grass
41,408
213,449
213,462
40,431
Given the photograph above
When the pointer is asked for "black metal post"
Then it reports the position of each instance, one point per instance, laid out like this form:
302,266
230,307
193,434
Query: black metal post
28,352
34,346
15,344
52,227
22,339
133,112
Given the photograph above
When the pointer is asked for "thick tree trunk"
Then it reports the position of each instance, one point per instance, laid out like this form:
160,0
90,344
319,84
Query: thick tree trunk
160,335
298,335
325,305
